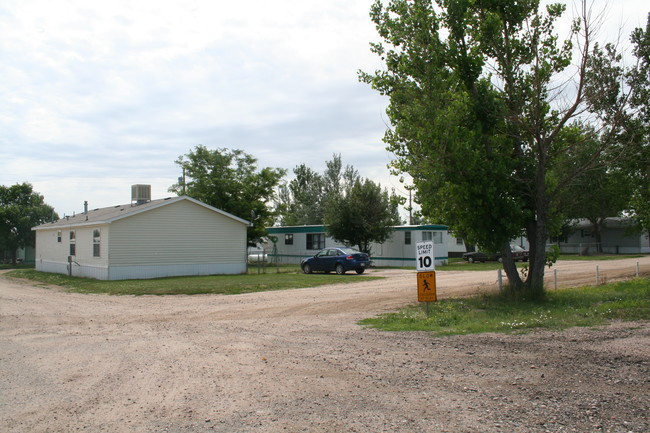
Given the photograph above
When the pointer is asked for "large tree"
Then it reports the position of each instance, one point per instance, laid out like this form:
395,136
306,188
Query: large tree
603,190
363,213
303,200
231,181
21,209
638,132
480,92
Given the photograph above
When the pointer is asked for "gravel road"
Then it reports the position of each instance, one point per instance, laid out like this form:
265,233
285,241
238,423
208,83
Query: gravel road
296,361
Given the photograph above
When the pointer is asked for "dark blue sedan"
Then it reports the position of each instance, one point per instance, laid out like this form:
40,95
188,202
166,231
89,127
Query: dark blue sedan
339,259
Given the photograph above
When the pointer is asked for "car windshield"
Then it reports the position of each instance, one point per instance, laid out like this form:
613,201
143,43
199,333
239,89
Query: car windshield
516,248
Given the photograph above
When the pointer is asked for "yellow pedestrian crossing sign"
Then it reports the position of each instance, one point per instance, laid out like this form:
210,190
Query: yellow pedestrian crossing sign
427,287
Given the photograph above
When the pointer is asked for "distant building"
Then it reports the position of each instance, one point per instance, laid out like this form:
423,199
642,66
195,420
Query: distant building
297,242
146,239
618,236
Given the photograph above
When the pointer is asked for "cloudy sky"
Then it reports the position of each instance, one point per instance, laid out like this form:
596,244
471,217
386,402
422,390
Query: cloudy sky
99,95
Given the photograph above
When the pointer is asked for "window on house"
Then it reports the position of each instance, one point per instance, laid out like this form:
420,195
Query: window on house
59,236
288,239
459,241
96,242
407,238
436,237
73,243
315,241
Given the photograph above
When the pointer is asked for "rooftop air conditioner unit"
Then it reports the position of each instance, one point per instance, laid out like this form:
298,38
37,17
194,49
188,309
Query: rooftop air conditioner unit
140,194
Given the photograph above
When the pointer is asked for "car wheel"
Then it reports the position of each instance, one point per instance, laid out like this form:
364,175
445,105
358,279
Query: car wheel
306,268
339,269
360,271
470,259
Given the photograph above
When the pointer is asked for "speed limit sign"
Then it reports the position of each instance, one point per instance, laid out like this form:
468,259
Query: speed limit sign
424,260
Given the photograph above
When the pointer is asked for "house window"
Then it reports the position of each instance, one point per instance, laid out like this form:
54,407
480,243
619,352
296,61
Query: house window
73,243
315,241
407,238
459,241
96,242
436,237
58,236
288,239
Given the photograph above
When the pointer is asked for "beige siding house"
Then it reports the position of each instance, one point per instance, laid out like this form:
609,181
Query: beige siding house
158,238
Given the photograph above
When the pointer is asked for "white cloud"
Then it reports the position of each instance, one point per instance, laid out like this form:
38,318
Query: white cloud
101,95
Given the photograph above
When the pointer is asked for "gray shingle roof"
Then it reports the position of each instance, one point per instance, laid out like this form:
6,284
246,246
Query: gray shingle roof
107,215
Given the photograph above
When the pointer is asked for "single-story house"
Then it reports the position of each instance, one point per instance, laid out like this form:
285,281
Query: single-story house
297,242
148,239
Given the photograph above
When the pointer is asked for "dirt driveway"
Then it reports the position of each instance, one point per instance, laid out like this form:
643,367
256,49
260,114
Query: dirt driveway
296,361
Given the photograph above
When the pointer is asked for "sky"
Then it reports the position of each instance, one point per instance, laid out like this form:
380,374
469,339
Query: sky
97,96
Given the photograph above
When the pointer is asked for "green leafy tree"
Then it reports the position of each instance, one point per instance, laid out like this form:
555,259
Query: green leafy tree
303,200
362,214
21,209
230,180
600,191
637,161
476,118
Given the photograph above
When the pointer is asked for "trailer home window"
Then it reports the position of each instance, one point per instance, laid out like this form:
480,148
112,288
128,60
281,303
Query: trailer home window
96,242
288,239
73,243
315,241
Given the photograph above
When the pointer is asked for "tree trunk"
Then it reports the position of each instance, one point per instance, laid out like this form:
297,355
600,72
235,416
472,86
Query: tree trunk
510,268
537,252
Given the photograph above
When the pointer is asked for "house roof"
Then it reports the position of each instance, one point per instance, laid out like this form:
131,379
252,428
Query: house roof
107,215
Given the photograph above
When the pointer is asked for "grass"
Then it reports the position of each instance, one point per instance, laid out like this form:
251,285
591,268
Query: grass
585,306
458,264
213,284
4,266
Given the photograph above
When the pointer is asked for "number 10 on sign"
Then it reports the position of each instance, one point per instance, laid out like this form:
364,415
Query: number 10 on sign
424,256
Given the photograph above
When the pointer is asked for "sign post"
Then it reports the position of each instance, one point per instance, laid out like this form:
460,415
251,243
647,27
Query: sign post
425,265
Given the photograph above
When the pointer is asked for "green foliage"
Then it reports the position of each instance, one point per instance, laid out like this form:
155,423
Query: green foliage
361,215
637,162
230,180
304,200
214,284
560,309
476,120
21,209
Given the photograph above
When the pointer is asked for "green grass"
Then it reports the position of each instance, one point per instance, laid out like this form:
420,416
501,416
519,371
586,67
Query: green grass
600,257
4,266
585,306
215,284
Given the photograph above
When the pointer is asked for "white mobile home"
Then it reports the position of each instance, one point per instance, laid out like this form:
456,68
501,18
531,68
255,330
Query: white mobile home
618,236
294,243
150,239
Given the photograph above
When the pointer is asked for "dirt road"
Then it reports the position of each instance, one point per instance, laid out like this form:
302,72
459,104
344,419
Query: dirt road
296,361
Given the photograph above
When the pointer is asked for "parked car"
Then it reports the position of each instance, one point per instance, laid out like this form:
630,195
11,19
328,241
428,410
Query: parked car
518,254
338,259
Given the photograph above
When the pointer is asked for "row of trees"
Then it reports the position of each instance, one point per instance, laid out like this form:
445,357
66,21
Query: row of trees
356,211
502,124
